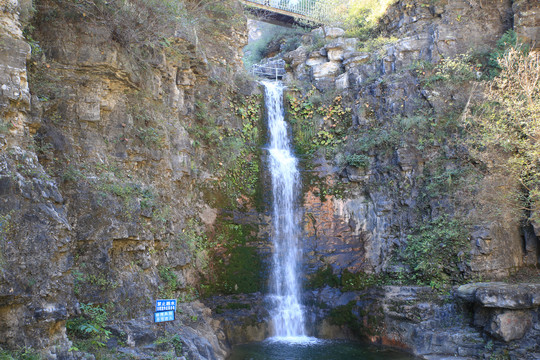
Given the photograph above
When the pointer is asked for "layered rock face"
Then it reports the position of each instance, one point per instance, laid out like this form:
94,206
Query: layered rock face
110,193
381,187
35,234
130,171
383,201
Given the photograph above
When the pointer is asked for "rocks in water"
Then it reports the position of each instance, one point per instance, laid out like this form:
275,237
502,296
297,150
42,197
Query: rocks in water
240,318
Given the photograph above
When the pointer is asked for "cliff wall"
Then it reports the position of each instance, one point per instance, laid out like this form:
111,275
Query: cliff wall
129,139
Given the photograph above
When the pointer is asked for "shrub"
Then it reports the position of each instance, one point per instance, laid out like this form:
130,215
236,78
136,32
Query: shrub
434,251
23,353
504,127
357,160
90,327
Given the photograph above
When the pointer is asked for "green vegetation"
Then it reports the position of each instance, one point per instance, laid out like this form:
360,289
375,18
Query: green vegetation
503,130
139,24
220,309
24,353
435,250
170,280
346,280
234,153
88,331
172,341
357,160
237,267
317,123
196,241
5,127
362,322
6,227
150,136
322,277
88,281
358,17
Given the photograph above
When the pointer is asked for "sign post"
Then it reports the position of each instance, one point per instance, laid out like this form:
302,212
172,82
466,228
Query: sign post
165,310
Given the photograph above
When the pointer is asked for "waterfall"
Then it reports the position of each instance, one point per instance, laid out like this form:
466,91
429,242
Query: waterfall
287,315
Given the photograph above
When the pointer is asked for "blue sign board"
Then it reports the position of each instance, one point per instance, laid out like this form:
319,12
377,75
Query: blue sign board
162,316
165,305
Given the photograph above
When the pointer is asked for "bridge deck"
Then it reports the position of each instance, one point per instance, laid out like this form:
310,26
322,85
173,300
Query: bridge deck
301,10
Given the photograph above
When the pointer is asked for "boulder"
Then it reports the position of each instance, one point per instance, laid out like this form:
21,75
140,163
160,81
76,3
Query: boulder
331,32
327,69
355,59
510,325
296,57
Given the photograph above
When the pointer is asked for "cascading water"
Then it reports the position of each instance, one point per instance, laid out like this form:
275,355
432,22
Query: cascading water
287,315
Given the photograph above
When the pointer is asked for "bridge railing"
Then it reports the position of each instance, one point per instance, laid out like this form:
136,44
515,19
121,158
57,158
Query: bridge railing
307,8
274,70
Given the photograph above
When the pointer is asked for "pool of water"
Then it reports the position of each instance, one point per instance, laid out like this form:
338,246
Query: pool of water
314,349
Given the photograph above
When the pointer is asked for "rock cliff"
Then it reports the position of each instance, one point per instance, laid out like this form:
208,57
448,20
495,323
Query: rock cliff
131,169
125,134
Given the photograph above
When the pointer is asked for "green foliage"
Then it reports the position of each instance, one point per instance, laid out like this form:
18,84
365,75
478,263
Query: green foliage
346,281
343,315
88,330
150,136
372,44
359,281
363,16
170,280
359,321
5,127
435,250
317,126
236,266
239,272
456,70
71,173
173,341
196,241
237,155
220,309
358,17
504,44
504,128
6,228
322,277
357,160
23,353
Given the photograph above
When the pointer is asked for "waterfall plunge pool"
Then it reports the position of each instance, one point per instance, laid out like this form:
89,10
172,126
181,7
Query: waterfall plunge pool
314,349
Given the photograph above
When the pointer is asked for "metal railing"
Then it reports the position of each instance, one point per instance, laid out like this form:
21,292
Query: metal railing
301,8
270,71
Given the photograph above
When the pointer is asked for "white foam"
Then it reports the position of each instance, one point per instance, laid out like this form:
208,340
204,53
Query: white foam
295,340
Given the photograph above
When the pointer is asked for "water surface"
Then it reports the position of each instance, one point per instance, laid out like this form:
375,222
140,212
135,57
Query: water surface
314,350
